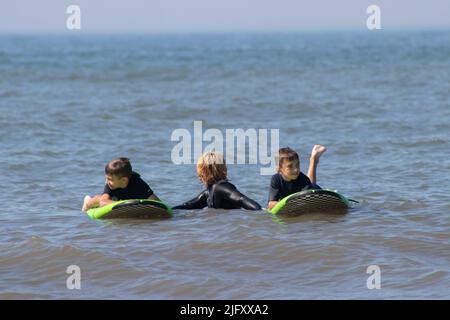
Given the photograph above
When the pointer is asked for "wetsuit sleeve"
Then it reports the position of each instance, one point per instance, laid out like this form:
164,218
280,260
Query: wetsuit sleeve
244,201
274,189
229,193
308,184
198,202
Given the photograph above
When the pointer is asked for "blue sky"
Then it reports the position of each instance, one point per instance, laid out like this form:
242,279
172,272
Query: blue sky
162,16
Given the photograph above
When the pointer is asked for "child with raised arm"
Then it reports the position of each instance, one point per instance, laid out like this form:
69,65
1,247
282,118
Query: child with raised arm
289,178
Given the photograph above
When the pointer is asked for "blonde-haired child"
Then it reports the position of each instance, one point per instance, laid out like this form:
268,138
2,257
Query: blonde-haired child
219,192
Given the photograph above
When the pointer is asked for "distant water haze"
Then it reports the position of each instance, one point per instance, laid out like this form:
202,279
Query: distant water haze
179,16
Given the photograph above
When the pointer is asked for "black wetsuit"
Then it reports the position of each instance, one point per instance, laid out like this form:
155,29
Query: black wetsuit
221,195
280,188
136,189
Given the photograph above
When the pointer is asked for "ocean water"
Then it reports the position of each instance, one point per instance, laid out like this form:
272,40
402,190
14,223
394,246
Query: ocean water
379,101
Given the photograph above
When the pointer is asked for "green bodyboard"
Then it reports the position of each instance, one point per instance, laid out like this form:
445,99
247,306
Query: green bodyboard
132,209
311,201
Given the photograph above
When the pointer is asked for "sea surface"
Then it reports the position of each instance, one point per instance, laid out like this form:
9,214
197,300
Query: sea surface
379,101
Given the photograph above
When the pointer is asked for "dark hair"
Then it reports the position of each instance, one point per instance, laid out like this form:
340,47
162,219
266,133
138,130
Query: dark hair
286,154
120,167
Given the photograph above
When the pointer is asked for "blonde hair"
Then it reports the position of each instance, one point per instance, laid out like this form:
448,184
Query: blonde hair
211,168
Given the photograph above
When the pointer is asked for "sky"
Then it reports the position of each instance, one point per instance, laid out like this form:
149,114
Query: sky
181,16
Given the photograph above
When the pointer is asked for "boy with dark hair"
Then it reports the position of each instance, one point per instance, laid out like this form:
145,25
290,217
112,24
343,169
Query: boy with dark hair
289,178
121,184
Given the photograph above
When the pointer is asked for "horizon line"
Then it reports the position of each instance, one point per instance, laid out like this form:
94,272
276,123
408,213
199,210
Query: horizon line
225,31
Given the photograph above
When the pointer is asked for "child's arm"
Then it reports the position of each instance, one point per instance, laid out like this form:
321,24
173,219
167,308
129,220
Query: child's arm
148,192
105,199
96,201
274,191
154,197
199,202
272,204
228,192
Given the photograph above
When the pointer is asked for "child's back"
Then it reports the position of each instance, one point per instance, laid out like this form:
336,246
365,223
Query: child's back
219,192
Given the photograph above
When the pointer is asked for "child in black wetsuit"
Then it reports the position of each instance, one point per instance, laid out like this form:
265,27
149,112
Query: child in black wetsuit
289,178
219,193
122,183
